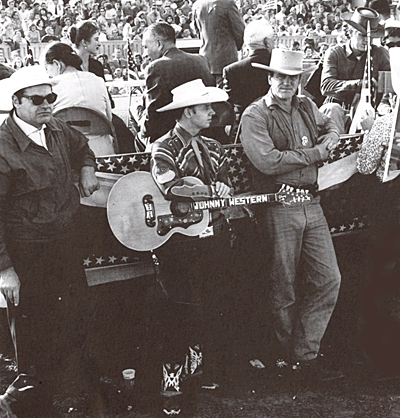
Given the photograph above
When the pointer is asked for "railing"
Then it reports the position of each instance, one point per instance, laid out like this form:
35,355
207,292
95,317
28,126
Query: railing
136,45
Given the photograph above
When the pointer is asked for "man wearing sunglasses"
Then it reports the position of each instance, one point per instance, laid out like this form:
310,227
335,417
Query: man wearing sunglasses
41,276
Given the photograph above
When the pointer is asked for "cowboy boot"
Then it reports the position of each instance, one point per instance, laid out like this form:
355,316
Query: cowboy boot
171,390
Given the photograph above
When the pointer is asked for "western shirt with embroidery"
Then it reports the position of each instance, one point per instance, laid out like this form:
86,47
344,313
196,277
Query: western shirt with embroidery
173,158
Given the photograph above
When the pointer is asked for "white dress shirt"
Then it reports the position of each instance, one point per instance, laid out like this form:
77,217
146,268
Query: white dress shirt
36,135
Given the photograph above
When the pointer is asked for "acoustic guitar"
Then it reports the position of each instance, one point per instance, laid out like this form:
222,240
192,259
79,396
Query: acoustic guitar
142,219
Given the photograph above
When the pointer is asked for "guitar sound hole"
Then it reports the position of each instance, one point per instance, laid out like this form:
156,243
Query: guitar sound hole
180,208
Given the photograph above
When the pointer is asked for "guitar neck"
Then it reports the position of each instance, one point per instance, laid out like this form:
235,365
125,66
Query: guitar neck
234,201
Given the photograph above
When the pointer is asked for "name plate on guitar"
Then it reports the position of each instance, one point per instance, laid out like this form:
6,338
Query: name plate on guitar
142,219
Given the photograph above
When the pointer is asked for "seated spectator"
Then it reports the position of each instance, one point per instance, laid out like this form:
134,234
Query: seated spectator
111,13
170,20
115,35
186,34
101,20
117,60
41,27
17,41
49,36
65,36
77,88
109,27
296,46
310,53
17,63
127,31
54,23
103,59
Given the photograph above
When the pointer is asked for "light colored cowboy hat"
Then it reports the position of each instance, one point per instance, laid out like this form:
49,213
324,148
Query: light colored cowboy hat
359,20
286,62
194,93
33,75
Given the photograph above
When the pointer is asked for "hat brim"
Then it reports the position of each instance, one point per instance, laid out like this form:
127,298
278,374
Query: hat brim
213,95
8,89
285,71
346,17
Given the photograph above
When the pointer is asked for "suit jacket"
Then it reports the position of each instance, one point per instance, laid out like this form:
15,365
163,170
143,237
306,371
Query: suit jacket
174,68
221,29
243,82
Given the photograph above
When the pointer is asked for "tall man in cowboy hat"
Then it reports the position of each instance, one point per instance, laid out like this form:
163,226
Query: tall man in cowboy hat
343,69
190,268
41,275
286,137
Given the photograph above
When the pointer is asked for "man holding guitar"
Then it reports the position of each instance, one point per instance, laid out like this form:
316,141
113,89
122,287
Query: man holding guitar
190,267
285,137
344,70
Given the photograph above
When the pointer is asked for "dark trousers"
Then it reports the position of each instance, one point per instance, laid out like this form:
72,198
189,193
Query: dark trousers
47,326
193,272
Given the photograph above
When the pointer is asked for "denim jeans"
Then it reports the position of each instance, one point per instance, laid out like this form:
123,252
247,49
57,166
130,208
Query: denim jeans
304,274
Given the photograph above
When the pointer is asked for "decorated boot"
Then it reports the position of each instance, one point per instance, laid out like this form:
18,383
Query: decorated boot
171,390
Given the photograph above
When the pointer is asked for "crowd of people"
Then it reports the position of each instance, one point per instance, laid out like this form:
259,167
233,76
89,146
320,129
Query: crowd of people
33,22
285,136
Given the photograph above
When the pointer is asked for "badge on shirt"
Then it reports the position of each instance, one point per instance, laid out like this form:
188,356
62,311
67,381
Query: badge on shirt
304,141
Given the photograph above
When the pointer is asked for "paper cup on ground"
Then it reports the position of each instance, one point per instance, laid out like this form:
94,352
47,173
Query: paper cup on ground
129,377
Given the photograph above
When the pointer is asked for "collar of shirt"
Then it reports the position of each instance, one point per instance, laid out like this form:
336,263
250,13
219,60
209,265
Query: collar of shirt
349,51
271,100
183,134
33,133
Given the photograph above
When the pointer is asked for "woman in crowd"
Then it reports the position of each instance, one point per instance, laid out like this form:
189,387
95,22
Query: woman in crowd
85,37
17,63
78,88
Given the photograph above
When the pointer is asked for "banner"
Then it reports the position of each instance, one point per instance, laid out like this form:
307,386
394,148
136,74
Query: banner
342,161
392,156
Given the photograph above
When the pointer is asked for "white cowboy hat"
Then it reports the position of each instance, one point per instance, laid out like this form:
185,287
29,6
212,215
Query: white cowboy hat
34,75
359,20
194,93
286,62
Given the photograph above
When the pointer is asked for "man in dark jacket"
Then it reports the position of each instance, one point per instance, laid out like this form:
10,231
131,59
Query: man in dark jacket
221,29
41,276
243,82
169,68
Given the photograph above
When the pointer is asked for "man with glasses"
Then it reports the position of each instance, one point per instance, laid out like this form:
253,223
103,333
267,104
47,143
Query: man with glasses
343,69
285,138
41,275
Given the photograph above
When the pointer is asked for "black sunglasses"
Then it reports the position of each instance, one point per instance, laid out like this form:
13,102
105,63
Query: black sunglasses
393,44
38,100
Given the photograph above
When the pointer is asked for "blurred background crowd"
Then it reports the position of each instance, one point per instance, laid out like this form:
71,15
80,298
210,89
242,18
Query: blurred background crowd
40,21
35,21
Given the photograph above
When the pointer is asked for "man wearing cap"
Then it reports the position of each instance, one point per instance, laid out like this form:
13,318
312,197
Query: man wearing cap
191,268
170,67
41,275
344,65
285,137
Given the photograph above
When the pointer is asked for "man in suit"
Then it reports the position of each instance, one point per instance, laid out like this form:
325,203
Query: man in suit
169,68
221,29
243,82
118,61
